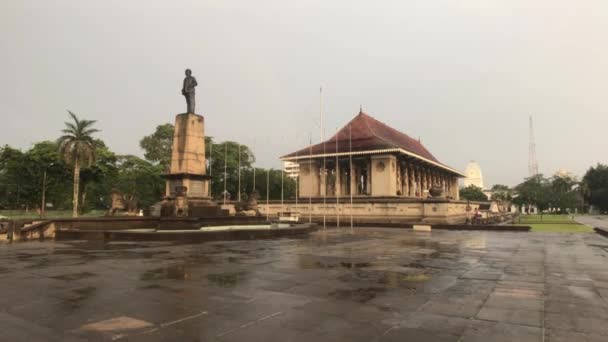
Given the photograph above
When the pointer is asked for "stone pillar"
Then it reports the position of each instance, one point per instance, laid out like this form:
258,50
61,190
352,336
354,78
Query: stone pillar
309,179
406,181
428,182
353,179
412,181
338,184
398,177
384,175
417,179
187,170
323,178
455,191
369,176
424,183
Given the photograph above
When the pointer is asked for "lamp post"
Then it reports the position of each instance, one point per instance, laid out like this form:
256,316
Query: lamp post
43,204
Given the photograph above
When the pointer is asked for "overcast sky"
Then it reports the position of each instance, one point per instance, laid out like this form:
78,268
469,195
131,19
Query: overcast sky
463,75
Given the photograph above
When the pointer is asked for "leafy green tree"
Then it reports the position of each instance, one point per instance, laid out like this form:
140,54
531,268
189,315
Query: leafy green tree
535,190
228,151
501,193
473,193
50,172
139,181
78,149
595,186
564,192
272,177
157,146
98,180
12,171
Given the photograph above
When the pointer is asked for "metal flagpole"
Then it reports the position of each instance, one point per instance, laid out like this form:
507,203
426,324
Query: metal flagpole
253,189
239,193
350,155
210,164
282,173
311,189
225,168
337,181
297,182
323,174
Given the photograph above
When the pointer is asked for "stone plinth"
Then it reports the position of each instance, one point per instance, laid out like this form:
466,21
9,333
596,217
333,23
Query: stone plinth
187,173
188,153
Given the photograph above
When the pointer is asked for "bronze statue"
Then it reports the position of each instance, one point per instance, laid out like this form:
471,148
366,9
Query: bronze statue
188,90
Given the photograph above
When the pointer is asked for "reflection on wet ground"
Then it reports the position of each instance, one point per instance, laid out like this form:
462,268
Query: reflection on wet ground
373,285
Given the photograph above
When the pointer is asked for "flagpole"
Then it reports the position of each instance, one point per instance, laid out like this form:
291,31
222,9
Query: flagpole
310,182
239,193
267,194
210,165
225,168
323,173
350,155
297,183
253,188
282,176
337,182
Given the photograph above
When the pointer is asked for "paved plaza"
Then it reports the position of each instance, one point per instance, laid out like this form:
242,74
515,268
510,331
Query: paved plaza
372,285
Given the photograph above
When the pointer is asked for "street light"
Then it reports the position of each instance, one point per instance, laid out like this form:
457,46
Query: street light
43,204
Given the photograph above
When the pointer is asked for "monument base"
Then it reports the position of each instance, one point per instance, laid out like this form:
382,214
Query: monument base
181,206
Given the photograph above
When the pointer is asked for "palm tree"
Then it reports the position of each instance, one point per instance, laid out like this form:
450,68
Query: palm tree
77,148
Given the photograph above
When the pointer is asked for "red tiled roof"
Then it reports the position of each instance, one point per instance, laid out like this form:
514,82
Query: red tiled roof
367,134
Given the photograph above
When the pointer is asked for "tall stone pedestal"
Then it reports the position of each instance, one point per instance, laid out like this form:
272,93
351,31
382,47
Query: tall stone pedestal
187,183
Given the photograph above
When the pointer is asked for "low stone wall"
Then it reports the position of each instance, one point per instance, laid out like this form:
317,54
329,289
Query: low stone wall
49,228
602,231
375,210
188,236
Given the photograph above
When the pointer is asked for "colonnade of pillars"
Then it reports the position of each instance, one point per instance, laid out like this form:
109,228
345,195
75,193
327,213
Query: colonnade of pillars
415,180
411,179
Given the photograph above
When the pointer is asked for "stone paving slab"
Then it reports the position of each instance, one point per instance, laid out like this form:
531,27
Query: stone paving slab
374,285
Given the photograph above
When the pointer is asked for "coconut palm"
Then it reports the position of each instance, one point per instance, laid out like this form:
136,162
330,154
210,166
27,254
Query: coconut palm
78,149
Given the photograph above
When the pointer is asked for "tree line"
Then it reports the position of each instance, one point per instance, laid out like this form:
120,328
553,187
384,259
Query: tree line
79,172
562,192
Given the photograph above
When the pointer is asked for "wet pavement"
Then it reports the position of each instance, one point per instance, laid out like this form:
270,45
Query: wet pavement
373,285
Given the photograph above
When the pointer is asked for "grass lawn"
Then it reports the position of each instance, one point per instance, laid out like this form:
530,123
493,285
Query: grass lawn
21,214
553,224
531,219
560,228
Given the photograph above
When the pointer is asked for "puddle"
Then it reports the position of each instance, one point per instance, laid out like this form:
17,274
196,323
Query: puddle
79,295
388,279
306,261
227,279
74,276
355,264
174,272
360,295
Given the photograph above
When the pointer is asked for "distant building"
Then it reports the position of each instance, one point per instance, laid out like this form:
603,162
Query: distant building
292,169
565,174
473,175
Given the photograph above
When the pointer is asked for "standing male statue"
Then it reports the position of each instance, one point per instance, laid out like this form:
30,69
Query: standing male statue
188,90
